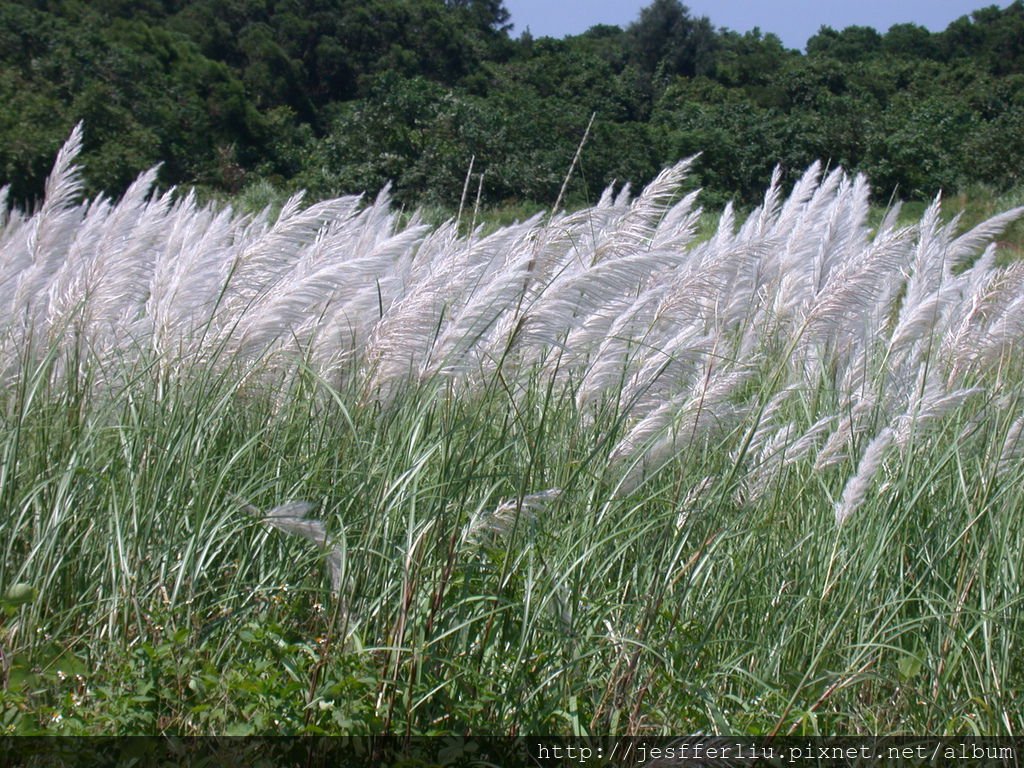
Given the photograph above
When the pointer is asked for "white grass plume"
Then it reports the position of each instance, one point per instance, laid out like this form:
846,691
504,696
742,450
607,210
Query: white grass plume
901,327
497,523
291,517
1012,453
858,486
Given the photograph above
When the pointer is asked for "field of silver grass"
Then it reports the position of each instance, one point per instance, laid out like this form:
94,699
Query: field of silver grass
555,469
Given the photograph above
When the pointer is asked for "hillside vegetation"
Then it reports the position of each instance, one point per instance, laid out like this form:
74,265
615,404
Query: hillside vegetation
344,96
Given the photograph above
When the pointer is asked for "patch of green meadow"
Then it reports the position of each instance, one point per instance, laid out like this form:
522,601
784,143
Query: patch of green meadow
151,601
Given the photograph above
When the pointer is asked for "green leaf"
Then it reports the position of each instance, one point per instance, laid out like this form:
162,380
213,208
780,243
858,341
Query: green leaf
20,594
909,666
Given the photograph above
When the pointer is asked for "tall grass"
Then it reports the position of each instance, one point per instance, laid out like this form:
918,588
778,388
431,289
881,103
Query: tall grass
580,474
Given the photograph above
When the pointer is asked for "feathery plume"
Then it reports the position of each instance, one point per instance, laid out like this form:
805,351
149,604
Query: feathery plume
291,517
502,520
857,487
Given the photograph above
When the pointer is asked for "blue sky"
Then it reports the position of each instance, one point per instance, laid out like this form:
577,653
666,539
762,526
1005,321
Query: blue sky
792,20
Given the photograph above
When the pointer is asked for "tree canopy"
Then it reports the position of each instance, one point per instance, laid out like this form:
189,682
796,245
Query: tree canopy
345,96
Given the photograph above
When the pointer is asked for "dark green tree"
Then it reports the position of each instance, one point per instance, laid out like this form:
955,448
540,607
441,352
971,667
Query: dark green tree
910,41
666,37
849,45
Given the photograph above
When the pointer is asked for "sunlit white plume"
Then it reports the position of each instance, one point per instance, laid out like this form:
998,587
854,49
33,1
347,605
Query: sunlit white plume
801,332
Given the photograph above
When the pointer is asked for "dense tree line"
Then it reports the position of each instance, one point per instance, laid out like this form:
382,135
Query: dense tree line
347,95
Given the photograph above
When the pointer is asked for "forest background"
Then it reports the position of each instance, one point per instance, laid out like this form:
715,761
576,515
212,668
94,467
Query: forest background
344,96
